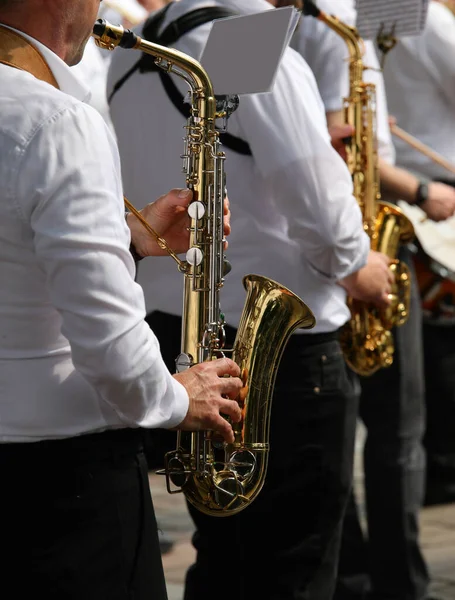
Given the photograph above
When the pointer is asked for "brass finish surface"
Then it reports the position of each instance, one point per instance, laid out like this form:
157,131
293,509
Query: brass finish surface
366,339
218,478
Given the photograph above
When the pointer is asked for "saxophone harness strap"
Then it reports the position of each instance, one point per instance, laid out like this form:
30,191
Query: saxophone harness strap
16,51
173,32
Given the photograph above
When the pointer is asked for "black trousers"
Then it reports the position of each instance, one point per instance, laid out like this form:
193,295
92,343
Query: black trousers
285,545
439,347
439,440
391,565
78,520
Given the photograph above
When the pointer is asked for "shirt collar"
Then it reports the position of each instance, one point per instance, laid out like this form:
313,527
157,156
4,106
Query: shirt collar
67,81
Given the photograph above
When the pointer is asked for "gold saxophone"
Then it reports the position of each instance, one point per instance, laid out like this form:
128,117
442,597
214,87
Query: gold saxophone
218,478
367,339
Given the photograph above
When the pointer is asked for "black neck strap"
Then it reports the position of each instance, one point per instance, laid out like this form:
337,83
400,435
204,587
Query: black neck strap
173,32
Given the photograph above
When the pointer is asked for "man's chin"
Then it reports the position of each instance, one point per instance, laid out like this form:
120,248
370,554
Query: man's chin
78,55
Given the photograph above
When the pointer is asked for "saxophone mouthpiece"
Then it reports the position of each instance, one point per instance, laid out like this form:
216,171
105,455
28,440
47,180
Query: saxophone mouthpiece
109,36
99,28
310,9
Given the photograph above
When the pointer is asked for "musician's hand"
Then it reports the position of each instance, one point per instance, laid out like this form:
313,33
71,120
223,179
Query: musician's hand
392,120
338,133
168,216
440,204
373,282
212,395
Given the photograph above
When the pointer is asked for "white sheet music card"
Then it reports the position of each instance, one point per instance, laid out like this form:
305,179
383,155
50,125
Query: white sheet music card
242,54
400,19
437,239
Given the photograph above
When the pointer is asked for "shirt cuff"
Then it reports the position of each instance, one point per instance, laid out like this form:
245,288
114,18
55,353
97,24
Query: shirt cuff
362,257
180,405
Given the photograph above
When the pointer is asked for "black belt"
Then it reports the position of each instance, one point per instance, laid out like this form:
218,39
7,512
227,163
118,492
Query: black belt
314,339
99,446
304,339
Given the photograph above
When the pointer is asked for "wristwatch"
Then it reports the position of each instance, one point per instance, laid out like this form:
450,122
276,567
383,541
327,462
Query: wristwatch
421,193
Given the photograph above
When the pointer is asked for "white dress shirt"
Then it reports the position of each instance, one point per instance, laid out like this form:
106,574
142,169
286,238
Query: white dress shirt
327,54
325,51
420,81
92,71
75,353
294,218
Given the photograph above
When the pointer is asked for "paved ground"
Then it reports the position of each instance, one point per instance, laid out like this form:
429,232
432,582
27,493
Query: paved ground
437,535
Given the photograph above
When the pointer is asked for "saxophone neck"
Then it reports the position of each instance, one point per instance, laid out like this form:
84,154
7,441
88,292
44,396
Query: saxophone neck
349,34
360,113
108,37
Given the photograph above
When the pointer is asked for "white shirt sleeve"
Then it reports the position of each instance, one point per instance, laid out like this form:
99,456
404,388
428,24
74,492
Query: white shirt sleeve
288,135
70,193
436,48
326,54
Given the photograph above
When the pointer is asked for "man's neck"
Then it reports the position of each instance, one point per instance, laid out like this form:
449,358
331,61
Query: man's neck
44,33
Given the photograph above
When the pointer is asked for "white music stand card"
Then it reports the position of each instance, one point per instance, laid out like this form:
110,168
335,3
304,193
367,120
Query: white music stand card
242,54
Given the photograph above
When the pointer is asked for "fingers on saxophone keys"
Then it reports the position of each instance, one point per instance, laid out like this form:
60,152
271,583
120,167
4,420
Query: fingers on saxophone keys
390,277
232,410
230,387
222,428
226,366
384,300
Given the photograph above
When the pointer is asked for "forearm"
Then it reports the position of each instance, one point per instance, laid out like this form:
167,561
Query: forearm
335,118
398,183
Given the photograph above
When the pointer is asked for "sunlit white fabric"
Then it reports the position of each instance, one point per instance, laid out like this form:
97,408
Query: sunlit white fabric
294,218
420,81
75,353
327,54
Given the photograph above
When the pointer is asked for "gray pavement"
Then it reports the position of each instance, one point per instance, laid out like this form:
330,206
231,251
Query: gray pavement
437,536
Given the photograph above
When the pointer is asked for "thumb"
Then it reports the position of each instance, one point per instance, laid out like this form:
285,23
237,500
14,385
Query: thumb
341,131
175,197
170,204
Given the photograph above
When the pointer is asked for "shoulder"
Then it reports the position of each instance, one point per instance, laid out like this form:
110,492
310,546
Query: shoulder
46,134
31,104
440,23
439,14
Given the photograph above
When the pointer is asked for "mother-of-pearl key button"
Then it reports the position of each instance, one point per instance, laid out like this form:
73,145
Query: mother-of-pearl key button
194,256
196,210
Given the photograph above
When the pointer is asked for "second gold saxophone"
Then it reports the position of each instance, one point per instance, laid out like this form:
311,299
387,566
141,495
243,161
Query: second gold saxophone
217,478
367,339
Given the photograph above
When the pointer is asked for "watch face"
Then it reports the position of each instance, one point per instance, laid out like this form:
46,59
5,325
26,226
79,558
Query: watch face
422,194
